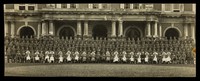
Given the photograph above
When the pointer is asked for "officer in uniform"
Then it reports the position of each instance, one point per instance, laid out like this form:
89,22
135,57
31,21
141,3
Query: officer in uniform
138,56
124,55
37,58
146,59
116,56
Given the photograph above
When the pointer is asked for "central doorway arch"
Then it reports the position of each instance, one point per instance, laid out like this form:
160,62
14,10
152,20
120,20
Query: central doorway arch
26,31
133,32
99,31
66,32
172,32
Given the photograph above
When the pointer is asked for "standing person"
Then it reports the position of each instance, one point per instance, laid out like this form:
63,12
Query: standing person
132,58
168,58
164,54
124,59
107,56
98,55
13,54
18,56
142,56
28,58
47,56
93,56
37,58
138,57
116,58
84,56
68,54
183,57
155,58
194,54
60,53
146,57
76,58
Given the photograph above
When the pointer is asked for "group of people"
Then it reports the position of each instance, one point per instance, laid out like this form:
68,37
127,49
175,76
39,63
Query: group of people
49,49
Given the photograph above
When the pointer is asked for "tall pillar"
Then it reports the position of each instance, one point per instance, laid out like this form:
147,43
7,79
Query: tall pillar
113,29
160,30
58,5
100,6
39,30
6,28
131,6
44,28
193,32
120,28
86,28
51,28
185,30
68,5
122,6
79,28
12,29
155,29
148,29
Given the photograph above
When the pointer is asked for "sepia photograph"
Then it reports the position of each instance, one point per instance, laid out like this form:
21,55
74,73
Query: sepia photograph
100,40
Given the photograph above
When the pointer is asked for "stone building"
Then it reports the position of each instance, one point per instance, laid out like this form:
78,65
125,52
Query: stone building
100,20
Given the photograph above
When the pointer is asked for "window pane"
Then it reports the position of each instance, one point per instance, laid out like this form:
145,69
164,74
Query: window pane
21,7
126,6
63,5
168,7
30,7
95,6
104,6
135,6
72,5
176,6
187,7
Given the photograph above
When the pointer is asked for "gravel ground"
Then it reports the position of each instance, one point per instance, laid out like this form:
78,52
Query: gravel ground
99,70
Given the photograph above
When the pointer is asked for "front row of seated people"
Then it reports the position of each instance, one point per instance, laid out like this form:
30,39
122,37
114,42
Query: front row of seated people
134,56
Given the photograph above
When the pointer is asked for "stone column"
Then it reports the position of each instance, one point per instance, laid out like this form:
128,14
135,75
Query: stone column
6,28
160,30
58,5
51,28
122,6
148,29
39,30
155,29
185,30
163,7
131,6
44,28
193,32
12,29
86,28
68,5
120,28
113,29
100,6
79,28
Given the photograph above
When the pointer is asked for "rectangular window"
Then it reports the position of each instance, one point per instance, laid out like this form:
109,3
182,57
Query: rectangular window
187,7
168,7
63,5
126,6
72,5
176,7
22,7
104,6
31,8
135,6
95,6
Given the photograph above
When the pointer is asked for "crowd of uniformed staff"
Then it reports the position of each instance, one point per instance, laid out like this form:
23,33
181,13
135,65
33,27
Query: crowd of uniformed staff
50,49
